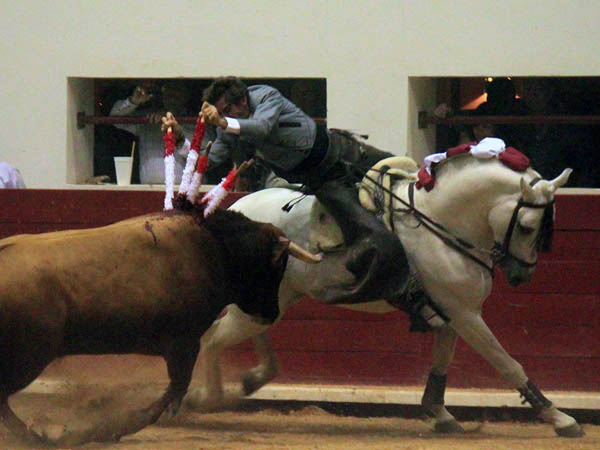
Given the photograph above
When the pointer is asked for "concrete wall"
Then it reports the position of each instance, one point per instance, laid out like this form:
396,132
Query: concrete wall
368,51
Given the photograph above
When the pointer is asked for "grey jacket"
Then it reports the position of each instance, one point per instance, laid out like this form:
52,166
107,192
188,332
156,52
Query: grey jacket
281,133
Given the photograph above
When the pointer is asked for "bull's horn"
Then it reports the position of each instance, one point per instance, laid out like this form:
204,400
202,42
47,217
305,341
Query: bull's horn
304,255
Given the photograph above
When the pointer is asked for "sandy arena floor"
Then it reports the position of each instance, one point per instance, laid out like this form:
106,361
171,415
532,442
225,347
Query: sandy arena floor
92,395
308,427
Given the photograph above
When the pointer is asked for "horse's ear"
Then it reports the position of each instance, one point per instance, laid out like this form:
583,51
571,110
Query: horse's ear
562,179
527,191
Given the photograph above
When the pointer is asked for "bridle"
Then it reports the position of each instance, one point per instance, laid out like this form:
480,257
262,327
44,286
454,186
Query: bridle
499,252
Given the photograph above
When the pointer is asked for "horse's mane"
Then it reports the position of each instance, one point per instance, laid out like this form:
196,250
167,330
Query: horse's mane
496,171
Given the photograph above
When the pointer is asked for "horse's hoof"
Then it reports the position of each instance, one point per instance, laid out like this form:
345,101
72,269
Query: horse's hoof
572,431
250,384
449,427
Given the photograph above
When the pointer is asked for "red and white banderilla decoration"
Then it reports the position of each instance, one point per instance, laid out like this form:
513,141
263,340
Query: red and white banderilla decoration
201,168
217,194
169,141
190,184
186,178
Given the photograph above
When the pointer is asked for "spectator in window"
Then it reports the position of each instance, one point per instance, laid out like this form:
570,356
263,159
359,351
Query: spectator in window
502,97
174,96
501,101
10,177
475,133
482,130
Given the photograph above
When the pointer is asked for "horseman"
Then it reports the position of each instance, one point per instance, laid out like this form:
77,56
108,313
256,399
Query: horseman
326,161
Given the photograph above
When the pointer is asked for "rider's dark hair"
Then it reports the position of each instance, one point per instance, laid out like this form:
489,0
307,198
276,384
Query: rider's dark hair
233,88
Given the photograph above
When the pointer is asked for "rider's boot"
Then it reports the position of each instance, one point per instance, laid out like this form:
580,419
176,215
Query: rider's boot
377,259
375,255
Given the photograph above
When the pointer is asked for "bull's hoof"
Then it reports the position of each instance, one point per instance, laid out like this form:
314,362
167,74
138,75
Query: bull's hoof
572,431
35,440
172,409
448,427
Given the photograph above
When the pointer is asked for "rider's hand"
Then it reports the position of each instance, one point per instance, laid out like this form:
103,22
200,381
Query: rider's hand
139,96
212,116
169,121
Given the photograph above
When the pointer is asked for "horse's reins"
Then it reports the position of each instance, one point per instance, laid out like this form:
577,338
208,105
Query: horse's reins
498,253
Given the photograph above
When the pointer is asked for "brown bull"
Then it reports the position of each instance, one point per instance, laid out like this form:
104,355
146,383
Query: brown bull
149,285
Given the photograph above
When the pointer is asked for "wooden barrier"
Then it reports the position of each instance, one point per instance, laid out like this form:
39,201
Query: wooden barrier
551,325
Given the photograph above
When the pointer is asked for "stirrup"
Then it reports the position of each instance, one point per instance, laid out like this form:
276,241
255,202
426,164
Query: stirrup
424,314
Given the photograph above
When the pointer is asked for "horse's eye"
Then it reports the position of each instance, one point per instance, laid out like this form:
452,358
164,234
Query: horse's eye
525,230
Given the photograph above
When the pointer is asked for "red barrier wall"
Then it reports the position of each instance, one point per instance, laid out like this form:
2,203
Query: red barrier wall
551,326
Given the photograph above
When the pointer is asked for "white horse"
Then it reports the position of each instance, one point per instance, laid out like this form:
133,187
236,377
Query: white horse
495,209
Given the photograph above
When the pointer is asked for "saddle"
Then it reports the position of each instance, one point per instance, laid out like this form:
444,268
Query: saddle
383,173
328,232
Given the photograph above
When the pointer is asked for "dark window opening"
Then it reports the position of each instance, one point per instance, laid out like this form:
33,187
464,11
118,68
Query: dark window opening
555,121
309,94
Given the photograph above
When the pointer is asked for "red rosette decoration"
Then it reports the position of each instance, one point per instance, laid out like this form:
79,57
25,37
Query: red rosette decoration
513,158
426,179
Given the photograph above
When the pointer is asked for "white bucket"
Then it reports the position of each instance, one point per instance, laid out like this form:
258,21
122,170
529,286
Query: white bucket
123,167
